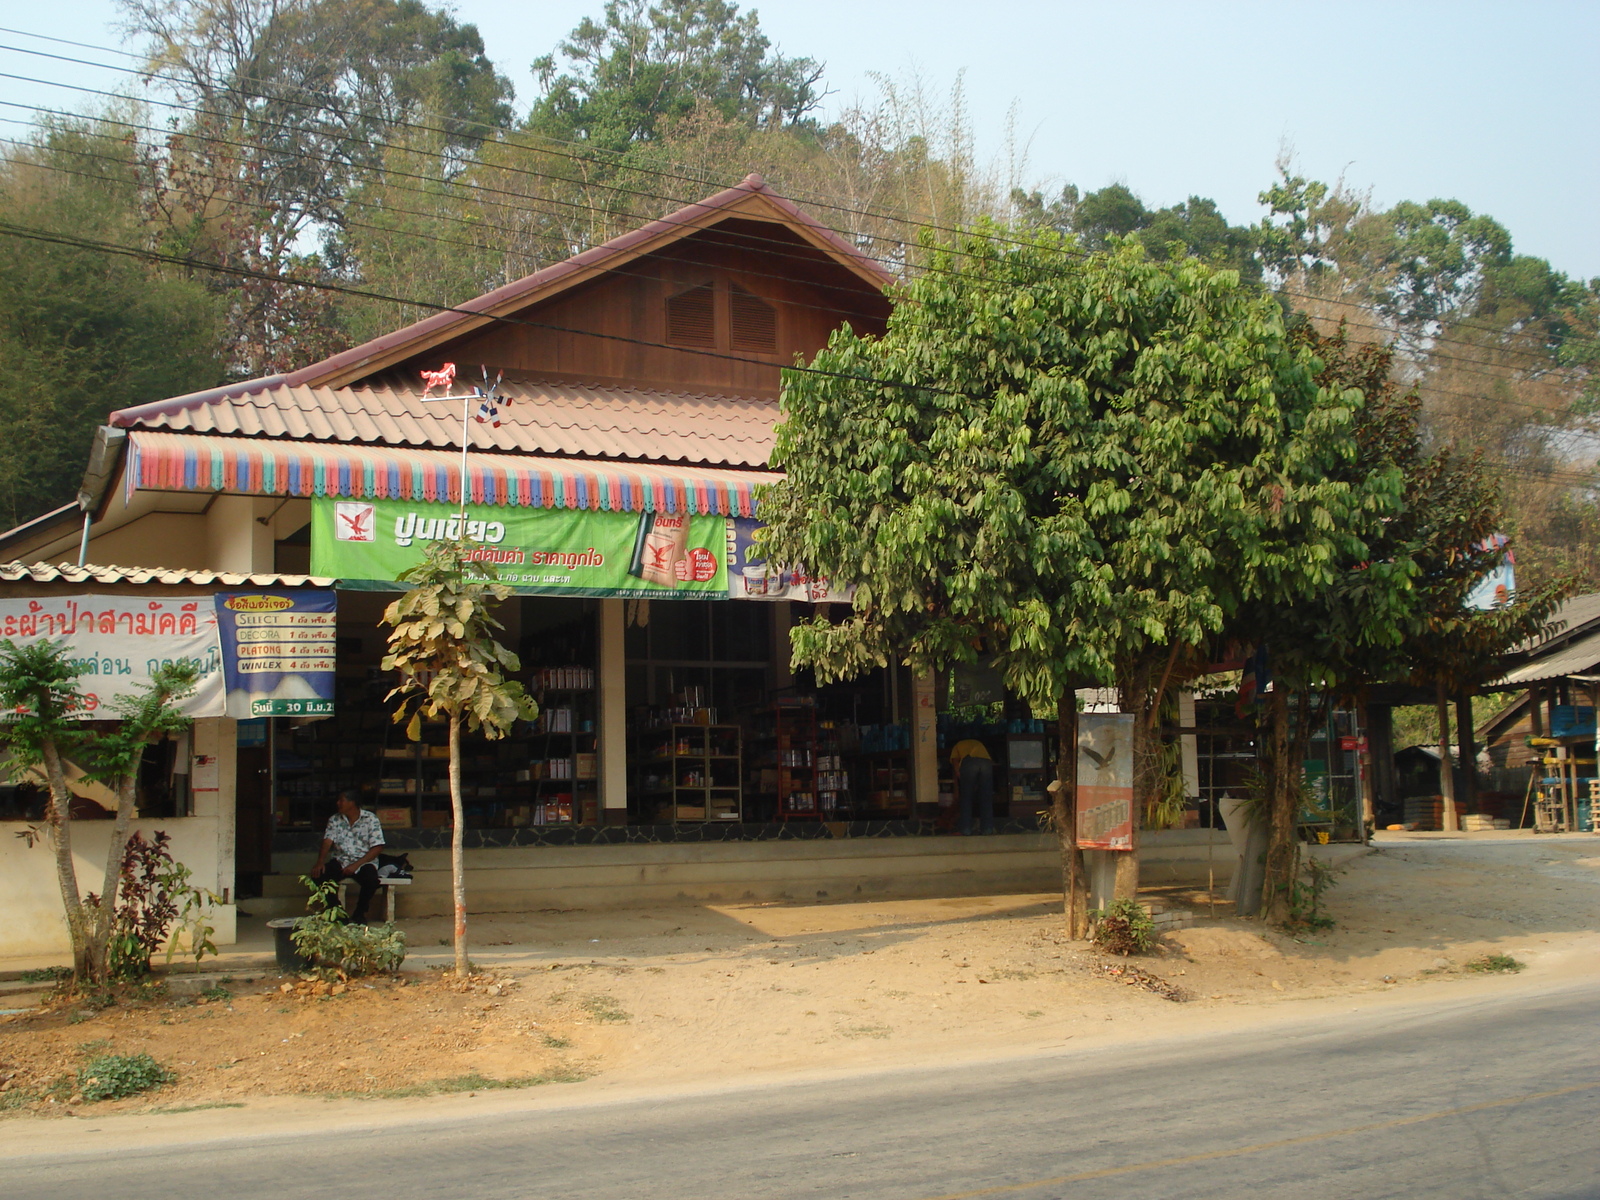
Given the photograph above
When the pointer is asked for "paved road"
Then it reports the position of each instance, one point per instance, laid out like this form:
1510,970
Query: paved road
1489,1097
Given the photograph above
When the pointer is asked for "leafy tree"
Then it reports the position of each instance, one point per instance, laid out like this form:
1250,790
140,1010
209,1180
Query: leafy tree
294,102
442,643
1094,464
39,691
1195,227
643,63
87,333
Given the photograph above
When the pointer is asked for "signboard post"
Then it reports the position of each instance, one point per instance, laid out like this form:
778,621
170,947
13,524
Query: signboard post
278,652
1105,781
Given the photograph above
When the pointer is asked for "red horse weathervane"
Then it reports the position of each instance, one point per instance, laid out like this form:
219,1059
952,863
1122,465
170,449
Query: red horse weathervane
441,379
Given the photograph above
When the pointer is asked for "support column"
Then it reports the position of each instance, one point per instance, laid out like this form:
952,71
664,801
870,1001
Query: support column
213,769
924,740
1447,780
611,678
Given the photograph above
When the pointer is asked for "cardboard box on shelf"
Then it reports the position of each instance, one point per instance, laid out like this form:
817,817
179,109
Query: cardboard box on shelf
394,818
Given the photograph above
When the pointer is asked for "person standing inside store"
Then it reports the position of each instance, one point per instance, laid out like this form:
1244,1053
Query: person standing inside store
974,772
350,847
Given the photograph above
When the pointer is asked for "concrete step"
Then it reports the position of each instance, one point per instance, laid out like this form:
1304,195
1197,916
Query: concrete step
275,906
287,884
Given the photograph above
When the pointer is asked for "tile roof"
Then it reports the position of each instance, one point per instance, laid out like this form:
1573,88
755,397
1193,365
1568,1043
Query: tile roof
544,418
19,572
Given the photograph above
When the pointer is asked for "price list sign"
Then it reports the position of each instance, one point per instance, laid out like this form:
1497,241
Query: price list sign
278,652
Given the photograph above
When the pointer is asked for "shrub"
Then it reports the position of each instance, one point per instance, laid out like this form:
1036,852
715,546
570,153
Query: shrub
330,941
1123,928
155,896
113,1076
1491,963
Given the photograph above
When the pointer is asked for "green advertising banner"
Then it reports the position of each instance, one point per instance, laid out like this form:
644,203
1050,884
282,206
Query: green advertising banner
537,551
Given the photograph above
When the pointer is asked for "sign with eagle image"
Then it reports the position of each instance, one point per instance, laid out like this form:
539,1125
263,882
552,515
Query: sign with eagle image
1105,781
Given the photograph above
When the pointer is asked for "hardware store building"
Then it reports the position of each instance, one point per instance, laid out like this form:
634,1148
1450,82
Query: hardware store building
613,487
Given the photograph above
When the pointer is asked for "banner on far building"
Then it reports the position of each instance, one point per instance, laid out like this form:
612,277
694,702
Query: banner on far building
1105,781
118,642
1498,586
536,551
278,651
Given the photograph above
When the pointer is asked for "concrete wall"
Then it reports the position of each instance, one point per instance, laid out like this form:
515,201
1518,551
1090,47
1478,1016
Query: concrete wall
522,879
31,899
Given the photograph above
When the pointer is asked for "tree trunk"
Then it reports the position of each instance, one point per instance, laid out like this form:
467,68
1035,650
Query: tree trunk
59,816
1281,797
458,865
1466,743
1134,696
1075,889
101,922
1447,774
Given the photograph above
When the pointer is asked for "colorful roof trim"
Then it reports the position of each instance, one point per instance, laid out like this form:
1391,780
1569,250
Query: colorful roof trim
253,466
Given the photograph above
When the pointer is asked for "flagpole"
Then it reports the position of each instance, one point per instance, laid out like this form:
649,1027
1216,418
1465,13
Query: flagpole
489,396
466,438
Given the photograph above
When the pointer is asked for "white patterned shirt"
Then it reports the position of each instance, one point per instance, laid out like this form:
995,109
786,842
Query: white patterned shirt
351,842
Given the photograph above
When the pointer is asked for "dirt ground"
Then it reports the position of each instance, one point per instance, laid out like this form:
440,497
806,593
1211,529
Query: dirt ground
718,992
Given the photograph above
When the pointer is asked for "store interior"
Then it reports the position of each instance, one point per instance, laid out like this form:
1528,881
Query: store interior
719,730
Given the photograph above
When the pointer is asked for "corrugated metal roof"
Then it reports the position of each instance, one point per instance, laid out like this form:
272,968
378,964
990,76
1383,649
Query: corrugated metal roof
20,572
189,462
1582,657
618,423
1574,615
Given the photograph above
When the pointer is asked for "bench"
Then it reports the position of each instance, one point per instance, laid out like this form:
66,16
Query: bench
388,883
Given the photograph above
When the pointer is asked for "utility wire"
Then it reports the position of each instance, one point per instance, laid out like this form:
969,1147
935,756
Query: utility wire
1431,389
24,233
889,264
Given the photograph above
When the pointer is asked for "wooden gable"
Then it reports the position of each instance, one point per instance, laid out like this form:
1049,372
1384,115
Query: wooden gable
720,311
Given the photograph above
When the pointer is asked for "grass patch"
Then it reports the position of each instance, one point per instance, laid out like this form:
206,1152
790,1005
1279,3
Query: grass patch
866,1031
604,1009
556,1043
1490,964
114,1076
463,1083
216,992
47,975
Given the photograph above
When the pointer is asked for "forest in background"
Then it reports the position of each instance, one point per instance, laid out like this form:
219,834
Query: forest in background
297,176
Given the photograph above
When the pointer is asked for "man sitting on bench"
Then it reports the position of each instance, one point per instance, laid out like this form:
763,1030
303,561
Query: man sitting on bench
355,839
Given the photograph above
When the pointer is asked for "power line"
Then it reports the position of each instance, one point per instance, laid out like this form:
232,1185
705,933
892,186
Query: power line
24,233
1431,390
617,189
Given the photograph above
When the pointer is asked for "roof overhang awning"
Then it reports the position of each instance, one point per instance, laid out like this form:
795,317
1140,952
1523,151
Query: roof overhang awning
267,467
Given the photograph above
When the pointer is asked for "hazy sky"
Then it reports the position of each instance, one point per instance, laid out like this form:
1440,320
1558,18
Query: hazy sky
1493,104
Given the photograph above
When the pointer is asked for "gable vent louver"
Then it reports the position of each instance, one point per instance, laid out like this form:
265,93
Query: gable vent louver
754,322
689,317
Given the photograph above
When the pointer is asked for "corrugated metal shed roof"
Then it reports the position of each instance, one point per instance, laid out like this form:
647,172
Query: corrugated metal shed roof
1582,657
543,418
1574,615
19,572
